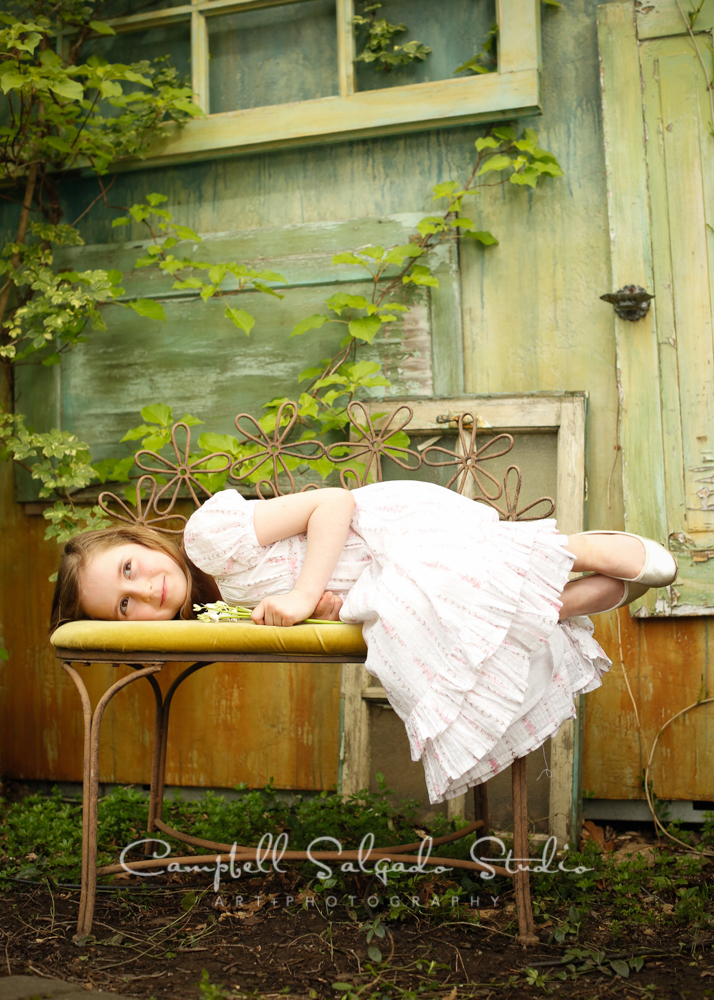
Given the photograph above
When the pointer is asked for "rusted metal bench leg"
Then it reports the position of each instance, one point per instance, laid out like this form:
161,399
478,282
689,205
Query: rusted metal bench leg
156,804
151,845
481,813
526,928
87,712
92,724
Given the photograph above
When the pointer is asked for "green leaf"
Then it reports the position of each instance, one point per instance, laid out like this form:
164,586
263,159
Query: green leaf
347,258
217,273
270,276
114,276
313,322
121,221
498,162
137,432
473,64
365,327
12,80
243,320
51,359
374,953
446,189
157,413
59,144
184,233
110,88
529,176
342,300
505,133
376,253
323,466
622,968
188,283
148,308
267,290
155,442
431,224
189,901
70,89
102,28
420,275
191,421
397,254
487,239
488,142
155,199
209,442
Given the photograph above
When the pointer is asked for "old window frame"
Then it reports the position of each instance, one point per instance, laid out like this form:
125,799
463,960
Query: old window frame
564,413
512,91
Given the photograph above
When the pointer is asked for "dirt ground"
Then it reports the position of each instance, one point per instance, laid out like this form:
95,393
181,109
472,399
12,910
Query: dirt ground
156,942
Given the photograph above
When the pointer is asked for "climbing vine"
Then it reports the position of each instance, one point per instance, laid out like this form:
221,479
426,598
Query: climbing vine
379,46
68,110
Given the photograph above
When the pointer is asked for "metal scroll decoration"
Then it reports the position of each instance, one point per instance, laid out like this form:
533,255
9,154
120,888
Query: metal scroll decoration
276,449
371,442
369,445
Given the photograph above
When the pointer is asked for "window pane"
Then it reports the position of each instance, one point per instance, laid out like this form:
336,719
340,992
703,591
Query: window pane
273,56
453,39
173,41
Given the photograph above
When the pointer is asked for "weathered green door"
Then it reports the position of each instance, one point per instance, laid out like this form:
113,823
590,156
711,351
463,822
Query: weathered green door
658,118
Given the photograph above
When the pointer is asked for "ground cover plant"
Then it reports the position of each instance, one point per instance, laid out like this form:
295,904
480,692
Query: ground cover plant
635,921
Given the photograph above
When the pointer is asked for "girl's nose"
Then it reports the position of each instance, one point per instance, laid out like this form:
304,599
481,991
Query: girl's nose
143,591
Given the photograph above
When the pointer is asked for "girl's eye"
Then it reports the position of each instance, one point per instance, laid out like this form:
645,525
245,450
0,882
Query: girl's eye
124,605
127,568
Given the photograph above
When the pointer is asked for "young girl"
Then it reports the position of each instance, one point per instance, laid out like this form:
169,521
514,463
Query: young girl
471,624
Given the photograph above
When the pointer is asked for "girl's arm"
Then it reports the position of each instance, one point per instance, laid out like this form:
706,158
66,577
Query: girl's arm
325,516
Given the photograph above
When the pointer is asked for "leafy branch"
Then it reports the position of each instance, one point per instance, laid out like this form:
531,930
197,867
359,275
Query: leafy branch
380,47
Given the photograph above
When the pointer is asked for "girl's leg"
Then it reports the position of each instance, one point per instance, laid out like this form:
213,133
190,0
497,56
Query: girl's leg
612,555
590,595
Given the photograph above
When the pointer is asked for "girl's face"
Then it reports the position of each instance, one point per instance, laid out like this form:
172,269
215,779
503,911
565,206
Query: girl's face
130,582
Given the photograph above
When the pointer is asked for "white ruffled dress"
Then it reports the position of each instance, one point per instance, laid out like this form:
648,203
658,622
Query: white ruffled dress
459,612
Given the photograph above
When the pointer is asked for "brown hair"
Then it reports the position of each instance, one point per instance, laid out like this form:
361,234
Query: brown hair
67,599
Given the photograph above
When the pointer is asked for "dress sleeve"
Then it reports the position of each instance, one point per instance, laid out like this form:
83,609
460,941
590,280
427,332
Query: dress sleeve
220,538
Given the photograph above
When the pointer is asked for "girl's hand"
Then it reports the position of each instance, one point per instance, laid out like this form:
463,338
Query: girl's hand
328,607
284,609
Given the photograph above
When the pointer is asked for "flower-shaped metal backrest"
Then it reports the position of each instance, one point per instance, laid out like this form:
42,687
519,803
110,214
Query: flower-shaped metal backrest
368,446
183,471
468,458
366,450
143,510
274,449
511,511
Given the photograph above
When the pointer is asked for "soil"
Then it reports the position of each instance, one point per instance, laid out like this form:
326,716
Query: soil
155,941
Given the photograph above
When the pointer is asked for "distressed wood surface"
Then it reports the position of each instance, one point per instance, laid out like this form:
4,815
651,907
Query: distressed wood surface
659,18
99,390
334,119
668,666
631,263
532,320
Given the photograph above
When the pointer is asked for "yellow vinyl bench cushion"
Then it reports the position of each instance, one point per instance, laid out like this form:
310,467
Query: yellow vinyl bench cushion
335,639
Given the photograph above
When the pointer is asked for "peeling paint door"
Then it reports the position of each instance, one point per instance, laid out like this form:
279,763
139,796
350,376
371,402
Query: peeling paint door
659,134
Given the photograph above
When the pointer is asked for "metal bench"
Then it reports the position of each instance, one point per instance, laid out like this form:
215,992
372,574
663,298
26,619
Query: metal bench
147,646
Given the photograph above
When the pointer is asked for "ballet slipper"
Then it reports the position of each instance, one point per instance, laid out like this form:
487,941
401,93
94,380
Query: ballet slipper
660,568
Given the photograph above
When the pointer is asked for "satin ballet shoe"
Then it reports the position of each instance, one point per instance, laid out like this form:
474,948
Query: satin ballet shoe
631,593
660,568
